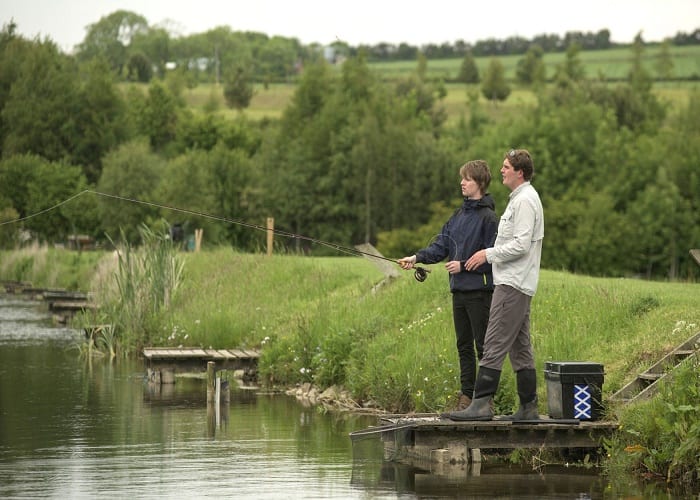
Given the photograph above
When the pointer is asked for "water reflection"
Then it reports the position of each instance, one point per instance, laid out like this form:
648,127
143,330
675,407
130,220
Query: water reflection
81,428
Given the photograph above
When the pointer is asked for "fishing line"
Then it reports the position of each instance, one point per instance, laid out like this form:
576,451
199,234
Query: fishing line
420,274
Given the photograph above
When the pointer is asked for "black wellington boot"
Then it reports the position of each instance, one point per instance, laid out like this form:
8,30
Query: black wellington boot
480,408
527,393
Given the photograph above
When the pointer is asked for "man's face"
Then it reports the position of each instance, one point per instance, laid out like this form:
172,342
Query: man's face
511,178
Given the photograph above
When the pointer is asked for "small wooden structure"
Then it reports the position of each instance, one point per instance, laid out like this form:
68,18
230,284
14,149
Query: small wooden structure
16,287
429,438
645,384
695,254
162,363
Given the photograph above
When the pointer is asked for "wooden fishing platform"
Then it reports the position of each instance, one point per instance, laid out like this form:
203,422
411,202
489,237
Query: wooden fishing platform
429,438
163,362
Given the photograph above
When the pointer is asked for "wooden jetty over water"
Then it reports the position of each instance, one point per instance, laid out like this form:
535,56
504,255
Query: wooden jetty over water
429,438
163,363
63,304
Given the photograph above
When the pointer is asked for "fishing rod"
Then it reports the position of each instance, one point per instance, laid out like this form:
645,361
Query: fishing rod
420,273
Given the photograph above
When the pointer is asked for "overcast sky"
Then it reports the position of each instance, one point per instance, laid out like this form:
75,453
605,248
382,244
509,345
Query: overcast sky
365,21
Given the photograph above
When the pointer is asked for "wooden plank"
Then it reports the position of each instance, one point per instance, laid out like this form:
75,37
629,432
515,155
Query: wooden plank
250,353
423,436
695,254
214,354
238,353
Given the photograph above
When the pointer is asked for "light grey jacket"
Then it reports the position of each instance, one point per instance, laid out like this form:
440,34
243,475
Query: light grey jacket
516,254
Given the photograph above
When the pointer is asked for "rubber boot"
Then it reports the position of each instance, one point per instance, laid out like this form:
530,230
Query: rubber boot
527,393
480,408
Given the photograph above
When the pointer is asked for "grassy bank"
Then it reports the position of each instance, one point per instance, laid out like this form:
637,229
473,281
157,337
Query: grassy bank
397,342
324,321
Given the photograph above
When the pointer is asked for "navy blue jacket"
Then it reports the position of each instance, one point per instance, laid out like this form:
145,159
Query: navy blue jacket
471,228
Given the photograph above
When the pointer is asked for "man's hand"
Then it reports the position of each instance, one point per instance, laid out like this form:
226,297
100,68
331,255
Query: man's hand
475,260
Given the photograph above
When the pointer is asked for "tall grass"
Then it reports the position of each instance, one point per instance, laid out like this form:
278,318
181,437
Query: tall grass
317,320
136,293
660,438
50,267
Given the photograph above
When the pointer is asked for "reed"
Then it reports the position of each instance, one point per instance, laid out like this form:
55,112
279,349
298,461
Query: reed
134,296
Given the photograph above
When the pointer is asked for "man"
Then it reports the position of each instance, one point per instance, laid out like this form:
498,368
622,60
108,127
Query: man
515,258
471,227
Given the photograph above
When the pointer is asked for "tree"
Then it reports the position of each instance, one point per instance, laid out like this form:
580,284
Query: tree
131,171
277,59
110,38
468,71
664,61
138,68
16,174
494,86
238,90
638,76
39,114
530,69
658,213
52,184
571,70
422,68
13,51
153,44
101,120
159,118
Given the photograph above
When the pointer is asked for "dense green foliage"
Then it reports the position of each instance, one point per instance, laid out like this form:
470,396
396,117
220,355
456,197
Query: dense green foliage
352,158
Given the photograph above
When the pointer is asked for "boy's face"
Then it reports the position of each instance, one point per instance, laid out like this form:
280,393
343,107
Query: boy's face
470,189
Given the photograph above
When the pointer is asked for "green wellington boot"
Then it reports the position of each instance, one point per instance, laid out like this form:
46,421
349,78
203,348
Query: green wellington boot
480,408
527,393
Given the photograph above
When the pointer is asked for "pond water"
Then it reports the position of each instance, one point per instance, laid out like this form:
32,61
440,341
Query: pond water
72,427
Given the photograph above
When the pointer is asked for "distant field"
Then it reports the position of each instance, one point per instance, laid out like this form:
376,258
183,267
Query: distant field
270,103
611,64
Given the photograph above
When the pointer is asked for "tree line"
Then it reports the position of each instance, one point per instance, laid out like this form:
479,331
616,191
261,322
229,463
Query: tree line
352,159
138,51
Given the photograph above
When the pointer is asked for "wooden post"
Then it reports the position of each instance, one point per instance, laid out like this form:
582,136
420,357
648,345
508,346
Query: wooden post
270,234
211,381
198,233
217,400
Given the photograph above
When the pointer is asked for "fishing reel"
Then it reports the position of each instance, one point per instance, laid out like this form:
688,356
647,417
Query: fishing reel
421,274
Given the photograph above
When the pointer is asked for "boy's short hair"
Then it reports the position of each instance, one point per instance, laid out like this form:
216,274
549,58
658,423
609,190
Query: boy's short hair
478,171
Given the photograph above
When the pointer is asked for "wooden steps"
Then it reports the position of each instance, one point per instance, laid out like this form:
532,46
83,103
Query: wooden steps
646,383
